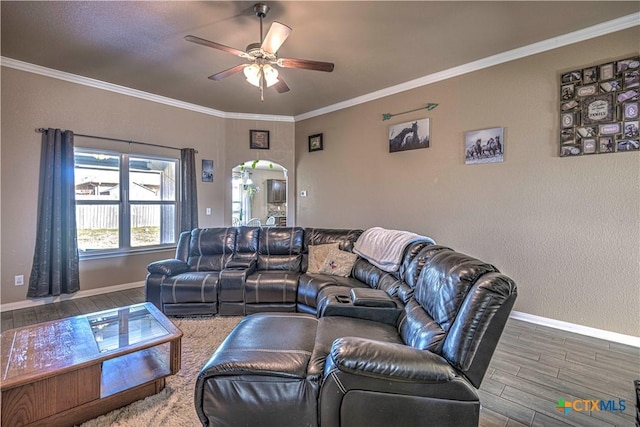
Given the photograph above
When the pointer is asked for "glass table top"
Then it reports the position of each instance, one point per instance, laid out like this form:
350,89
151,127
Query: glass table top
122,327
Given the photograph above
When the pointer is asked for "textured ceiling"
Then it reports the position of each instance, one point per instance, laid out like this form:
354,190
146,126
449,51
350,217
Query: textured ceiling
374,45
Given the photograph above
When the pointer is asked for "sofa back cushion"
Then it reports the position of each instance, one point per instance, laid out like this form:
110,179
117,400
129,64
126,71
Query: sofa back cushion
211,248
376,278
475,332
459,308
444,280
247,241
412,266
280,248
320,236
345,238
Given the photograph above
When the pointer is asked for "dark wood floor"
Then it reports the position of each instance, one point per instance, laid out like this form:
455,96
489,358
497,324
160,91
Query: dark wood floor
533,367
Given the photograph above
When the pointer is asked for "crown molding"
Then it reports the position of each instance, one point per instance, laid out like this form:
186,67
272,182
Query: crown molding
98,84
604,28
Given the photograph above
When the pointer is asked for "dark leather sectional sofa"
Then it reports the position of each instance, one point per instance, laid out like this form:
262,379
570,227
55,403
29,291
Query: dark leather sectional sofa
408,347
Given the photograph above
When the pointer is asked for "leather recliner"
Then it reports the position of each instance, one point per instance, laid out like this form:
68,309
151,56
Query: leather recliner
293,369
188,284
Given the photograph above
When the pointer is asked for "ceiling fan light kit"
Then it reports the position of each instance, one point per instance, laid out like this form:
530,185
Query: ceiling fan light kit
262,57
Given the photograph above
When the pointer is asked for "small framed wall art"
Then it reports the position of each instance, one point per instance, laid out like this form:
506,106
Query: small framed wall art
409,135
259,139
207,170
599,108
484,146
316,143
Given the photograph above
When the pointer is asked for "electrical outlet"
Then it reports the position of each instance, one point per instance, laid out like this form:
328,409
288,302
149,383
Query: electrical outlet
19,280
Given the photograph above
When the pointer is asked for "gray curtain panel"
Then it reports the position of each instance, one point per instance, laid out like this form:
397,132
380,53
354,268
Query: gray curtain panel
55,267
189,200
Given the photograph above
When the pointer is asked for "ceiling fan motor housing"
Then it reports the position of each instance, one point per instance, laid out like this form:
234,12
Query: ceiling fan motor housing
261,10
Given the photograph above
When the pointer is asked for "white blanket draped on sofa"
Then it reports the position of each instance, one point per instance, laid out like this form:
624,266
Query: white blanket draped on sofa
384,248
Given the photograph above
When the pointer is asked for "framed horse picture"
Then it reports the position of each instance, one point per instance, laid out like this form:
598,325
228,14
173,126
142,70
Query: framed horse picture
484,146
409,136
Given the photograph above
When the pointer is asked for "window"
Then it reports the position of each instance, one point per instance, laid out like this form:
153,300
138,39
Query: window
124,201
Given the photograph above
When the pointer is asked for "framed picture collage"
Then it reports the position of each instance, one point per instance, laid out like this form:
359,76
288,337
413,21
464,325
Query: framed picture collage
599,108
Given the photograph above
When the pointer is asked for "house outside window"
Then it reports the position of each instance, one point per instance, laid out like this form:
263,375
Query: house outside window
124,202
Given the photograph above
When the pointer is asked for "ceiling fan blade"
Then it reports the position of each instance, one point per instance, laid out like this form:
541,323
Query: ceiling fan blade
281,86
277,34
228,72
305,64
207,43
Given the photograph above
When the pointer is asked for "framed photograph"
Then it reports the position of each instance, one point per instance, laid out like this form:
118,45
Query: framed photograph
568,136
628,64
630,110
315,142
572,76
632,79
589,145
597,109
259,139
631,129
484,146
567,91
569,105
609,129
207,170
570,150
409,136
568,120
589,75
588,90
586,132
628,95
610,86
628,145
607,145
607,71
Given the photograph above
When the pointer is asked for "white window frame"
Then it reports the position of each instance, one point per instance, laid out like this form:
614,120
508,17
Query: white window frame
124,203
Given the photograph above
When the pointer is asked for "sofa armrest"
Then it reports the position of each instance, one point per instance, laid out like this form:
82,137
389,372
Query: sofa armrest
362,375
379,359
168,267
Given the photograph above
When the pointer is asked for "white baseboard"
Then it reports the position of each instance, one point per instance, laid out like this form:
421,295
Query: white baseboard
578,329
80,294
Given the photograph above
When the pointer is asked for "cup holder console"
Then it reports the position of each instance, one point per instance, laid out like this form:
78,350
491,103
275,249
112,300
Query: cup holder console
343,299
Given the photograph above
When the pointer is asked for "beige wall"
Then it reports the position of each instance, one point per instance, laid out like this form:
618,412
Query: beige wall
566,229
281,143
30,101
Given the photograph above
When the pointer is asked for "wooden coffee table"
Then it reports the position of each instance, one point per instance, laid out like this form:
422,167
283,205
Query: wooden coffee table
70,370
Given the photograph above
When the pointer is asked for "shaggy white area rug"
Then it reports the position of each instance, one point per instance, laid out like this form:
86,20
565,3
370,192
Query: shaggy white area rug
173,406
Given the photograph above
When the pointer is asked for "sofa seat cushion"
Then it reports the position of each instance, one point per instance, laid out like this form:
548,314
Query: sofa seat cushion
334,327
193,286
257,376
271,286
310,285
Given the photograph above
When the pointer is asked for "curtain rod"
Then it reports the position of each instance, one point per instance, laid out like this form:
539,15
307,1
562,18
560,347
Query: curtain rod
42,130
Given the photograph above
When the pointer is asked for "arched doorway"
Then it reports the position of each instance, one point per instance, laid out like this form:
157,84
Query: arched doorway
259,193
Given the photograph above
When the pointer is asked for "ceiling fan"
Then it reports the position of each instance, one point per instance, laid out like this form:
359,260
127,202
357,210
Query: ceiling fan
262,57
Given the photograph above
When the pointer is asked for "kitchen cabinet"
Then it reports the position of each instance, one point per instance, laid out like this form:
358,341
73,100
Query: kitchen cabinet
276,191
